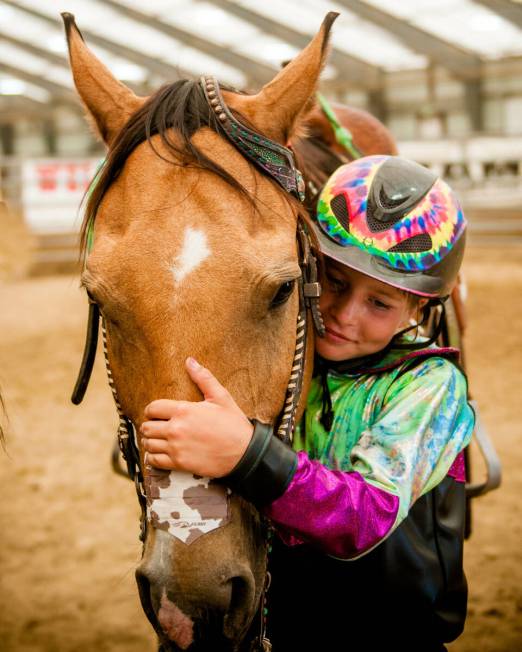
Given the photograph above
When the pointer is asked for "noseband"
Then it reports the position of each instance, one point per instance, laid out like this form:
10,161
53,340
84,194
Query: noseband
277,162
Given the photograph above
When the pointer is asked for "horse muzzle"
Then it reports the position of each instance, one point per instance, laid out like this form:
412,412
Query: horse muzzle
196,605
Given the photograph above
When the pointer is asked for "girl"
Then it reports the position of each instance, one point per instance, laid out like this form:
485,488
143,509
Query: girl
369,506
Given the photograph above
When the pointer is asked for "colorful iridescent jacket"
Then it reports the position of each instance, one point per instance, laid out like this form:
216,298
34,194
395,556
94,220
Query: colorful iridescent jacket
398,431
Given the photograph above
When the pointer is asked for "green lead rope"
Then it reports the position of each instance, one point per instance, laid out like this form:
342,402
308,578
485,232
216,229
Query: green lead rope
342,135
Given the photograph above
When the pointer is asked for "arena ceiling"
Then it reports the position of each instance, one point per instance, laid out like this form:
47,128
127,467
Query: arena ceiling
244,42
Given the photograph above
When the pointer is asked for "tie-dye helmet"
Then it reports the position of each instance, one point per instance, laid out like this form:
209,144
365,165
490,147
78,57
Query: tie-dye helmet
394,220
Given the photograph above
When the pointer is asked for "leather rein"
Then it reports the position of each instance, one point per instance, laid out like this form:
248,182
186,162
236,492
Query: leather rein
276,161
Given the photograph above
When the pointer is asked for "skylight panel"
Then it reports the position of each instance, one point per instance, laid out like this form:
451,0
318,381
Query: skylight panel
373,44
83,10
11,86
14,56
463,23
300,15
14,86
269,49
209,21
159,8
39,33
478,29
7,14
21,25
350,34
201,64
118,28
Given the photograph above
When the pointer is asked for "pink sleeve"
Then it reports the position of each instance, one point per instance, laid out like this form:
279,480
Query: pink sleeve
338,512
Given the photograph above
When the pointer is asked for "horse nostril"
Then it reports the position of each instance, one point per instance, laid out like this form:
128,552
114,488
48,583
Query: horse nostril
145,596
241,604
239,592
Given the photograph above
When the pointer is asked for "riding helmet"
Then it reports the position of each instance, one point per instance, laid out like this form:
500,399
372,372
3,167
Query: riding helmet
394,220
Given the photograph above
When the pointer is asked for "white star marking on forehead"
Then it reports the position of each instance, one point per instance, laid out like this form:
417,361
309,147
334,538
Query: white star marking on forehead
194,250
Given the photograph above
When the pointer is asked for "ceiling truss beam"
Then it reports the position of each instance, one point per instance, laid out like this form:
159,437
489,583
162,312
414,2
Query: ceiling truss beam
59,60
462,63
164,70
349,68
257,71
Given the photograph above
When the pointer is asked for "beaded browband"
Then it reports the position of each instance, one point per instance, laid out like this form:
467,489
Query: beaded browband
274,159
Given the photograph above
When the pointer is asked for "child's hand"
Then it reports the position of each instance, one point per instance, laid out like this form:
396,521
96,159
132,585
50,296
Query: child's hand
207,438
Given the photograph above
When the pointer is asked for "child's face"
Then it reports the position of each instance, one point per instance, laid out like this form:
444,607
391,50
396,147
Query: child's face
361,314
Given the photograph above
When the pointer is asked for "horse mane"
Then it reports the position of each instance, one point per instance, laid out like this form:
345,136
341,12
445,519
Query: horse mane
179,108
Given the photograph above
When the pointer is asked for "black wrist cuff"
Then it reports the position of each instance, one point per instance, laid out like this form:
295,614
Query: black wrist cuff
266,468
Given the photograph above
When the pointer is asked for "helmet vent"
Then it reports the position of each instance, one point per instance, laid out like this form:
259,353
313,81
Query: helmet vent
376,225
417,243
340,210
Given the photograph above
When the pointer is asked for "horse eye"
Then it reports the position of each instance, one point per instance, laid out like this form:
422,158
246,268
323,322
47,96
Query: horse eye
282,294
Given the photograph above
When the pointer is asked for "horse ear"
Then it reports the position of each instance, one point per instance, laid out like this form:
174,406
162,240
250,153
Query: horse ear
278,108
109,102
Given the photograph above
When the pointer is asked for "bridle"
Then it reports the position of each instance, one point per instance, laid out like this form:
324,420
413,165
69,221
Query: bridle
276,161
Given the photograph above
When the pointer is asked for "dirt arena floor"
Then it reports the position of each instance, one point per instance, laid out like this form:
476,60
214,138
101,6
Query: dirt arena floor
69,537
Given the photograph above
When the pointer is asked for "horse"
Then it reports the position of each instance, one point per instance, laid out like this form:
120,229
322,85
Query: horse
197,245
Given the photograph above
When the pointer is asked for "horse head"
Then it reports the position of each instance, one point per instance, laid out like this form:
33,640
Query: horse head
194,253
